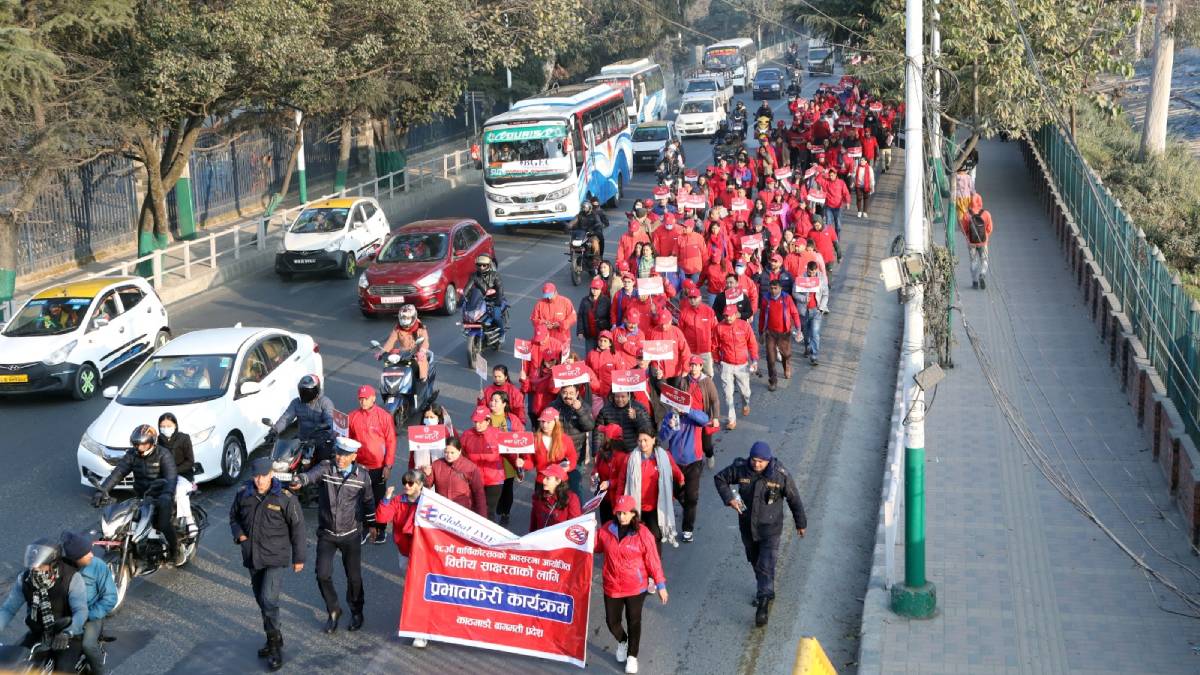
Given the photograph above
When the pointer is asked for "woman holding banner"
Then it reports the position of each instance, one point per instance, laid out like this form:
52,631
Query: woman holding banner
553,502
631,562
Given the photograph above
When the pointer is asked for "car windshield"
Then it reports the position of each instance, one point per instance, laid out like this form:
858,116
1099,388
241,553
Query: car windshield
170,380
526,153
701,85
48,316
414,247
768,75
649,134
696,107
818,54
312,221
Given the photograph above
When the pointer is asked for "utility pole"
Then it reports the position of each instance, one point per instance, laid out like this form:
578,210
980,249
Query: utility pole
944,161
300,175
916,597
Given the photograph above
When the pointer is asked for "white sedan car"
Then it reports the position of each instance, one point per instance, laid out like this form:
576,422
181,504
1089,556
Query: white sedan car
220,383
332,236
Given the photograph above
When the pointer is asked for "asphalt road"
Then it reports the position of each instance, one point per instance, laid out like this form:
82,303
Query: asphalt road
202,618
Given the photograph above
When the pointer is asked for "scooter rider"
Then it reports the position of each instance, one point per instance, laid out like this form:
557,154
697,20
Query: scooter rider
592,221
409,334
765,110
313,414
487,279
148,461
739,114
722,134
56,598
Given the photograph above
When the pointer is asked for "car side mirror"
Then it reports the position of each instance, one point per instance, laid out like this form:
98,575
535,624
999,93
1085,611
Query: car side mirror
376,345
248,388
99,322
109,392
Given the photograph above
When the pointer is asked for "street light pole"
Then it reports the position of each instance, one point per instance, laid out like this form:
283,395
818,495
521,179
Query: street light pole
916,597
301,178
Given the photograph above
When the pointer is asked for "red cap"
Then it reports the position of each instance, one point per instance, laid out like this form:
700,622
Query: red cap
598,283
633,315
626,274
693,292
648,203
696,361
556,471
776,258
605,334
548,287
366,391
480,414
612,432
549,414
664,318
669,218
625,503
731,310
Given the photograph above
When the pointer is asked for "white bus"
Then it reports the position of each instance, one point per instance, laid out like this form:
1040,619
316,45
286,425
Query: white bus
737,57
547,154
641,82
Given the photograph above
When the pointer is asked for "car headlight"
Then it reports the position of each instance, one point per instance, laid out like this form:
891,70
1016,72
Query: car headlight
202,436
335,245
362,281
499,198
91,445
430,279
774,86
59,355
559,194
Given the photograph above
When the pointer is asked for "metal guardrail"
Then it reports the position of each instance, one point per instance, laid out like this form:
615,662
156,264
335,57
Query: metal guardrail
178,262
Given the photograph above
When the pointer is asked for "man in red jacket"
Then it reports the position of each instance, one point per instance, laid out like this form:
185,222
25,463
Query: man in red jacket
777,321
837,195
554,312
976,223
374,429
676,366
737,352
698,322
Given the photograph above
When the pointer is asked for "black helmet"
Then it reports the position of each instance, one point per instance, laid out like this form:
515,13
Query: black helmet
41,552
309,388
143,434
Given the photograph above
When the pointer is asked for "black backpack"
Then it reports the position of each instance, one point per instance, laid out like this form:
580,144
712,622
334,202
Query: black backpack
976,228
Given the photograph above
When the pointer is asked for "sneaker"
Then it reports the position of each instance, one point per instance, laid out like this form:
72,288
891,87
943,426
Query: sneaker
381,536
631,664
688,537
622,651
864,215
975,284
420,643
366,536
712,462
745,411
813,360
771,386
982,283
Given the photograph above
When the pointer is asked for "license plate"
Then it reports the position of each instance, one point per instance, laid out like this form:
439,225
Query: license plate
304,260
283,476
14,378
389,299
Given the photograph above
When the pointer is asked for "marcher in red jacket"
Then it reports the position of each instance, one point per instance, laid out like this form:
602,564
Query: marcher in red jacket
479,444
400,511
737,352
675,366
374,428
552,501
603,360
776,323
837,195
698,323
501,382
540,386
554,312
458,479
631,563
542,343
825,241
976,224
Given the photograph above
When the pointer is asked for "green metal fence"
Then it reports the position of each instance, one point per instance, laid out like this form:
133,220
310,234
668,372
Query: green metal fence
1152,296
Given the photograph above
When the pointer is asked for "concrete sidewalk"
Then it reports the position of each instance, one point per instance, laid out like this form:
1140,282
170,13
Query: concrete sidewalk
1025,581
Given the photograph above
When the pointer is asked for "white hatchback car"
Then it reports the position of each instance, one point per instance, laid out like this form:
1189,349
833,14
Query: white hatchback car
70,336
333,235
220,383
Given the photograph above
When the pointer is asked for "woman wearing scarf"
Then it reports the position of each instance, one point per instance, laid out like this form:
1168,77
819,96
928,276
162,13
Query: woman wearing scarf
648,475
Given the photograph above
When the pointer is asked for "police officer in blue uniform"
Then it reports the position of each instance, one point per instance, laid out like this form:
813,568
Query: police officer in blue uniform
757,488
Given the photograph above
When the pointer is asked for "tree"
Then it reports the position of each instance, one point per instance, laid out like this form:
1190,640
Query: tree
1175,18
55,102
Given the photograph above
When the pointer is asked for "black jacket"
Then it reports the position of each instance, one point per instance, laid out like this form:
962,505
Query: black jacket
603,321
160,463
577,424
180,445
611,414
744,309
346,502
764,495
485,282
272,523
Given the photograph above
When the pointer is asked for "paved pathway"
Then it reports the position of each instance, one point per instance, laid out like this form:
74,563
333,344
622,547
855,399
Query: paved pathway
1025,582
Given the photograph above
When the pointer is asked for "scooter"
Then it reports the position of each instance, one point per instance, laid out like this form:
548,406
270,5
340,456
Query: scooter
292,456
479,324
584,251
401,393
134,548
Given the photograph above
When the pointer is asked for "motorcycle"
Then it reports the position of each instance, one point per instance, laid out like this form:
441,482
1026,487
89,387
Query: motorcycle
133,547
737,126
669,173
729,148
291,456
480,327
584,251
402,394
40,658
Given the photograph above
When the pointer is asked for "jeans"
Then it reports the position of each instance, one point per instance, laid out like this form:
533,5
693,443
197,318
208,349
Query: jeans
812,330
833,216
691,493
265,583
739,374
91,645
631,632
761,555
979,261
350,546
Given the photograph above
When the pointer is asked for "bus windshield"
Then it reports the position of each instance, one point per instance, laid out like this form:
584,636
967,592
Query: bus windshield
528,152
722,58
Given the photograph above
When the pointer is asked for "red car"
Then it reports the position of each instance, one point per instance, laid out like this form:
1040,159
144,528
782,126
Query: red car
426,263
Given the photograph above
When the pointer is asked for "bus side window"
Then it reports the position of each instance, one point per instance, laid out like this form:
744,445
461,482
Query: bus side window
579,148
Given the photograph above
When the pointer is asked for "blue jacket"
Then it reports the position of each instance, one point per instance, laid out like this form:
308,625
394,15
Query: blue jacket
101,589
684,443
308,416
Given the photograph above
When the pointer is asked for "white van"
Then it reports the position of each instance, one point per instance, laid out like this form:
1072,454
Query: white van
699,114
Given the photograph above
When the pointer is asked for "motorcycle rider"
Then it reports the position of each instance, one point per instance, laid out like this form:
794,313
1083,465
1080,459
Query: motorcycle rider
739,114
148,462
592,221
765,110
487,279
722,134
56,598
409,334
313,414
101,593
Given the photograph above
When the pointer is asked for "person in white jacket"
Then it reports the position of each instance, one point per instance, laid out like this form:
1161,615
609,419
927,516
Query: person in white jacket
812,299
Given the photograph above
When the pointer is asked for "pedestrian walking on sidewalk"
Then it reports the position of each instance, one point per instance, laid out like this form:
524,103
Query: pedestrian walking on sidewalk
682,434
777,323
977,226
757,488
703,392
964,187
737,352
269,527
631,563
813,299
864,186
346,506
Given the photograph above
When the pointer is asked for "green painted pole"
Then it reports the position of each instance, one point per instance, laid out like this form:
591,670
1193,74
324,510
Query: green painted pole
300,176
185,214
914,517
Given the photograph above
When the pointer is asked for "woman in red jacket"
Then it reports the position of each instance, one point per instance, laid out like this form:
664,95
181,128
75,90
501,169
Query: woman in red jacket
479,444
552,502
631,564
502,418
458,479
401,513
551,447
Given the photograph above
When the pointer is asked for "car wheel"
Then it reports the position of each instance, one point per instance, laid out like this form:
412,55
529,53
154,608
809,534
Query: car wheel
233,457
161,339
451,302
349,266
86,382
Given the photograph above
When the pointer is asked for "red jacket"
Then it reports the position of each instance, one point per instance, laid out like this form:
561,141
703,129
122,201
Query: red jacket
735,343
482,450
779,315
400,513
677,364
460,482
698,325
870,147
603,364
557,315
551,345
541,454
837,194
614,473
376,430
824,239
516,400
629,562
540,387
628,242
544,511
665,240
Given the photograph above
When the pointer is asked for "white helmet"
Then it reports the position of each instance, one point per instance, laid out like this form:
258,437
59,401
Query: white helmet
407,315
